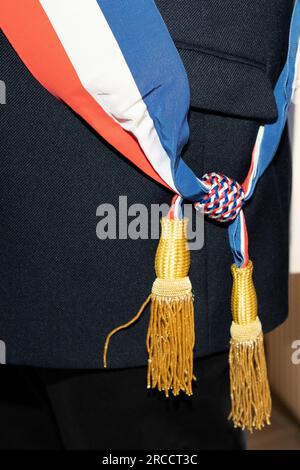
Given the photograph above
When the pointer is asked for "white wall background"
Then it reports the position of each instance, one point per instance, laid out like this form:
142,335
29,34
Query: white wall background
294,127
283,343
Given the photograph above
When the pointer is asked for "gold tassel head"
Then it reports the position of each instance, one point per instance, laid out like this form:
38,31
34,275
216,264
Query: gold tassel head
243,295
172,260
250,392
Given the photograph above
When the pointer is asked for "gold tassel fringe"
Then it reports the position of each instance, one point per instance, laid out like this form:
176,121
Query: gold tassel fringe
250,391
171,337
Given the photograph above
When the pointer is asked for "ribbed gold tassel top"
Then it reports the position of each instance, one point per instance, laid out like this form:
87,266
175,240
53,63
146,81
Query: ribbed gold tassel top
243,297
172,259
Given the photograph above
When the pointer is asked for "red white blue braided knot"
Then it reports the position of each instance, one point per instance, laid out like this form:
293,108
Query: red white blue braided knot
224,199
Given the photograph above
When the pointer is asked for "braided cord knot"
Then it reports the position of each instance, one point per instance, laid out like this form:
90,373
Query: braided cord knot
225,198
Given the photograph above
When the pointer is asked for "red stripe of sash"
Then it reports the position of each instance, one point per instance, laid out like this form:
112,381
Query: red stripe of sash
31,34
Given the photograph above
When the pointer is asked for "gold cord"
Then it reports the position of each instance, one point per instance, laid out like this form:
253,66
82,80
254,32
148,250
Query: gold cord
122,327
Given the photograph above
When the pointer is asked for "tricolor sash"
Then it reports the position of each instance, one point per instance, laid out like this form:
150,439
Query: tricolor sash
115,64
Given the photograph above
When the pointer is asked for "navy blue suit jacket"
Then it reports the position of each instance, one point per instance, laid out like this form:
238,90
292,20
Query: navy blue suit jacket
62,289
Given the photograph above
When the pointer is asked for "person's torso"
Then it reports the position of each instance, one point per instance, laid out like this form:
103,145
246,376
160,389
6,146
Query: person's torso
62,288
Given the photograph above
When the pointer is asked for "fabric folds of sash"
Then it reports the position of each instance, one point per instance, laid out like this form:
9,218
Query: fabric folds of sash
115,64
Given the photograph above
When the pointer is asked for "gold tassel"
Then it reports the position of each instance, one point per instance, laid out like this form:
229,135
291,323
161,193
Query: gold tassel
171,337
250,391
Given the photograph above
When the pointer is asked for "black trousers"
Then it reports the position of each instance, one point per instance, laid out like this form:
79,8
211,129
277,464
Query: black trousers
109,410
